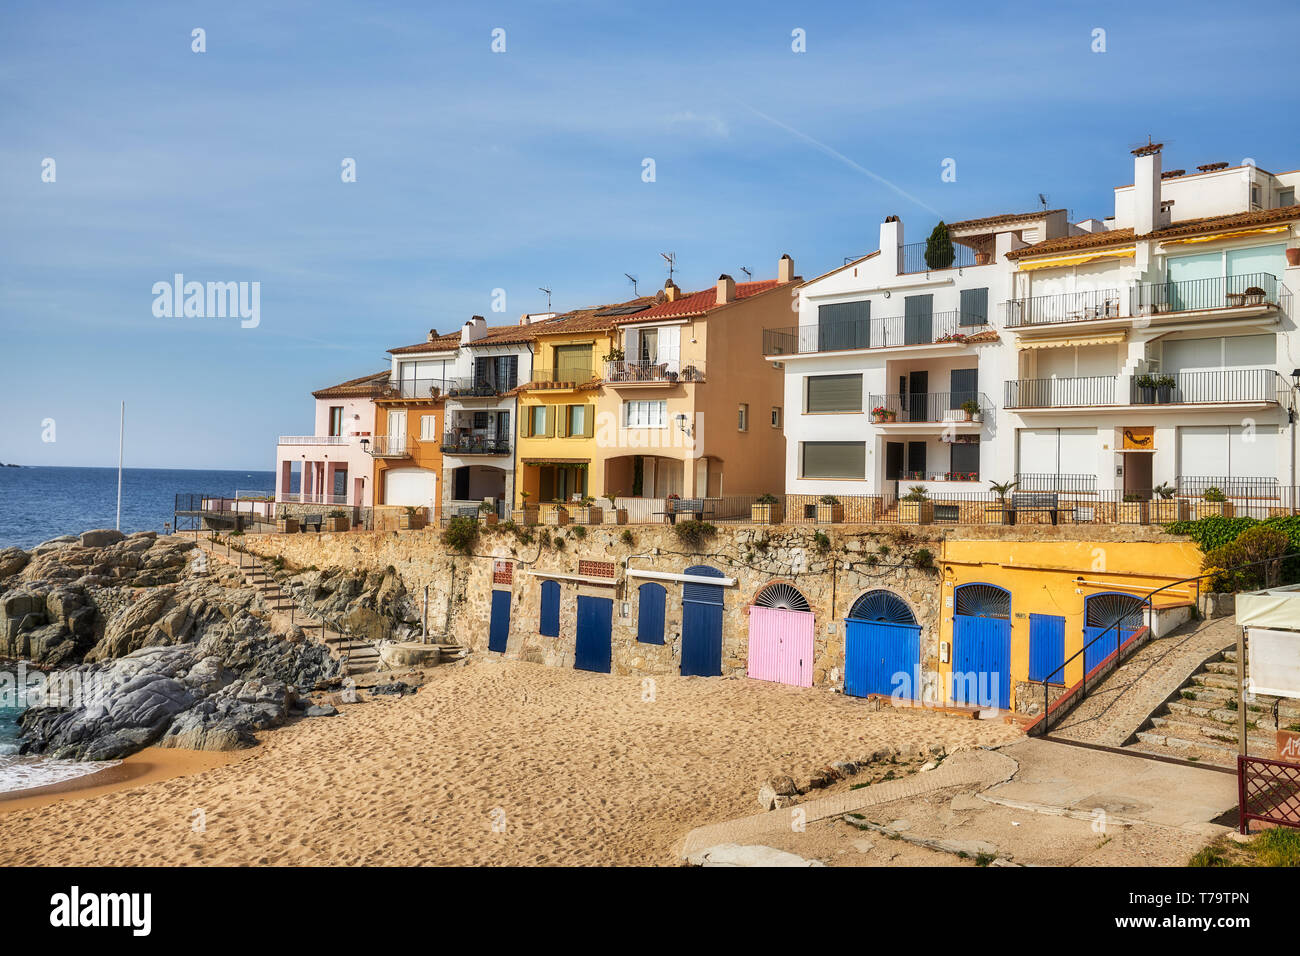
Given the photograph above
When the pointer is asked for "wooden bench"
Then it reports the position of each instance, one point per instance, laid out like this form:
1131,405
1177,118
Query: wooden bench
1038,501
310,520
695,507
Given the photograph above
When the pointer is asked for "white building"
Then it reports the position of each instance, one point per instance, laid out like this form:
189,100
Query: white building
1155,347
330,465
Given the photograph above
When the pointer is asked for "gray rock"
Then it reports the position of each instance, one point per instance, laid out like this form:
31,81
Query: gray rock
321,710
101,538
13,560
774,787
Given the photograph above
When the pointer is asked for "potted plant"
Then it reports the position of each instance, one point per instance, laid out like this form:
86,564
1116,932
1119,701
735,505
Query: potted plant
1166,508
766,509
616,515
1133,510
1146,389
983,258
487,514
286,522
557,515
1004,514
1165,386
1214,502
882,414
915,507
972,410
1254,296
829,510
337,520
588,513
525,514
410,519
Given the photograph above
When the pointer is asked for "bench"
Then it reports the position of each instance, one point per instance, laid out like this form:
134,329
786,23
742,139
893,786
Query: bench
695,507
1038,501
310,520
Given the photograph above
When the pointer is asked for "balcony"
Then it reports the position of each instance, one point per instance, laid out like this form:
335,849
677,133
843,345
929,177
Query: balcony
459,443
942,328
912,258
652,373
1248,386
315,440
1256,290
560,378
416,388
392,446
1056,309
928,408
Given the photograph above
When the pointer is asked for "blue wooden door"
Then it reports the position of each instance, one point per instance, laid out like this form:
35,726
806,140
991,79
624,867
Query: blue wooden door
877,656
548,624
1046,647
499,628
1101,611
592,651
981,661
702,625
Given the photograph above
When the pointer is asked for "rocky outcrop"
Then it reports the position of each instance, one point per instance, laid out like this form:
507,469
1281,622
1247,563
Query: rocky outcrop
372,606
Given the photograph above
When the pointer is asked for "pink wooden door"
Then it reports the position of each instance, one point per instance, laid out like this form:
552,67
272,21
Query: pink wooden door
781,645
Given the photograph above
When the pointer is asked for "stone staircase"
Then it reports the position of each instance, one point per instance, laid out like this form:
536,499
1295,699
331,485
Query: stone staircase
1201,722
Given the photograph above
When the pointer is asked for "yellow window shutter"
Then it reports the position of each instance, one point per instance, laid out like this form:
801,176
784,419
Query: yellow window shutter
525,420
588,420
561,421
550,420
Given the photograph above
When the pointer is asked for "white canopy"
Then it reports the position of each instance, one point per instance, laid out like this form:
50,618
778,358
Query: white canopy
1276,607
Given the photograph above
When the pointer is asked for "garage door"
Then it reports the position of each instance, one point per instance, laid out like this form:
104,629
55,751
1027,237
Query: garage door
981,646
781,636
882,647
412,487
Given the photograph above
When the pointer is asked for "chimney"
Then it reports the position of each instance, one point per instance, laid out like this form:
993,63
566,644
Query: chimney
785,270
433,334
671,292
726,289
1146,188
891,240
473,330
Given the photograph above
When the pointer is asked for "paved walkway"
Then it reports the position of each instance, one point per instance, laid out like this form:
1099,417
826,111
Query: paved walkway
976,769
1112,713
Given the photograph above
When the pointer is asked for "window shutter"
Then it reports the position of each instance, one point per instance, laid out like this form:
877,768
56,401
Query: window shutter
835,393
834,459
525,420
974,307
562,420
963,384
548,419
588,420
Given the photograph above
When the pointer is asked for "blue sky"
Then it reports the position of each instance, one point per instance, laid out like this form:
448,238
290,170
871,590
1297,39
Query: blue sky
479,170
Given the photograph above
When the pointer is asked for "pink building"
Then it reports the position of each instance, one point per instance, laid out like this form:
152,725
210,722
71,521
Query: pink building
331,464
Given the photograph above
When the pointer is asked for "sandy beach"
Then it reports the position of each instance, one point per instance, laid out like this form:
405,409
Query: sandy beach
497,762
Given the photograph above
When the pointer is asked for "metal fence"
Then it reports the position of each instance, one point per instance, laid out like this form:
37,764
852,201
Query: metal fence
622,372
1220,385
1191,295
916,257
928,406
1065,307
886,332
1268,791
1061,392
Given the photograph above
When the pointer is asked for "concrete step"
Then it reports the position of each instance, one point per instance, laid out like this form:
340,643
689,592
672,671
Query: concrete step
1206,679
1196,729
1225,753
1222,667
1151,743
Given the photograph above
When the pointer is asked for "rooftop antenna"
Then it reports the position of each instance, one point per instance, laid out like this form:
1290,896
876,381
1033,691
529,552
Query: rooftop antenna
542,288
671,259
1043,199
632,279
748,274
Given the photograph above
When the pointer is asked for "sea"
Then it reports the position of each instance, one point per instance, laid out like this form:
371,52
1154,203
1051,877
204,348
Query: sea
40,503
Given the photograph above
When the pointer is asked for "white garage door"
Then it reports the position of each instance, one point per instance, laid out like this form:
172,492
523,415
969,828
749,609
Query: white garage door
416,487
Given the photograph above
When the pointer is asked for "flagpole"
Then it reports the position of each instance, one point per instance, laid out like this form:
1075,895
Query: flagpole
121,432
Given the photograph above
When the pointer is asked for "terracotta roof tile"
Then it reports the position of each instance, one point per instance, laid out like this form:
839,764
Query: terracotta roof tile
1113,237
698,303
1006,217
592,319
988,335
356,387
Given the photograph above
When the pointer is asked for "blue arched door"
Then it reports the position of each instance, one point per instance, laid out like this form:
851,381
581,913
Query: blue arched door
702,624
981,646
882,646
1101,611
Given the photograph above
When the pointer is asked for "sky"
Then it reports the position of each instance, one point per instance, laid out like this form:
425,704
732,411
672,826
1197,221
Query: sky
478,170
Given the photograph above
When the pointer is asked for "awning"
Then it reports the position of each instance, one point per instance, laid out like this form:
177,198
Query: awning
682,578
575,578
1101,338
1215,236
1276,607
1057,262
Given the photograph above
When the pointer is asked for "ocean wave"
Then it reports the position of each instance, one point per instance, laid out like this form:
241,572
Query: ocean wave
24,773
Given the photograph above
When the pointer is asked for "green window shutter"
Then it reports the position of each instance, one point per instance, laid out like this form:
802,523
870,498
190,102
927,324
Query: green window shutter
588,421
524,421
834,393
974,307
834,459
548,419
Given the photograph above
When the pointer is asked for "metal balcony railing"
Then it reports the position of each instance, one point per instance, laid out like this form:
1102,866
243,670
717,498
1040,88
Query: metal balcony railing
560,376
392,446
1220,385
1193,295
914,257
478,387
1065,307
1061,392
927,407
315,439
891,332
460,443
623,373
417,388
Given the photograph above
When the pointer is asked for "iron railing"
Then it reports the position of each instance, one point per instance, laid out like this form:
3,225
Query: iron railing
561,376
1064,307
1193,295
1268,790
891,332
458,443
392,446
414,388
633,373
316,439
1220,385
927,406
1250,487
1060,392
1060,483
915,257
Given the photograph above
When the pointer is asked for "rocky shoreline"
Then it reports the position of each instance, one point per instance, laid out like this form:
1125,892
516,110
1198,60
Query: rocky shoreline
140,644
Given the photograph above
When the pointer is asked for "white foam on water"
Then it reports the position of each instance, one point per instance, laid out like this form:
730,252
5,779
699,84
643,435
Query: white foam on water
24,773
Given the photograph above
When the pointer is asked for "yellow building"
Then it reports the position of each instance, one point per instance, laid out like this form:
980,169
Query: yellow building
1013,611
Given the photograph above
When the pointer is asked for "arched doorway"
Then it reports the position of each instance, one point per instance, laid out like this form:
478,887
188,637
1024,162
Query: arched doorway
882,645
981,646
1101,611
702,624
781,636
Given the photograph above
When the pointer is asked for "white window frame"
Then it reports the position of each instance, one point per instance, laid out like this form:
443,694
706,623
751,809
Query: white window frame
645,414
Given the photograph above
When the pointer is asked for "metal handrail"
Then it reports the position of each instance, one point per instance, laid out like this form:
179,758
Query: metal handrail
1146,599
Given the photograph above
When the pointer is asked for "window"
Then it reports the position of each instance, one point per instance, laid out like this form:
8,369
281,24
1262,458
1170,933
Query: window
776,416
1254,194
573,363
974,307
834,459
429,428
650,613
645,414
578,421
499,373
533,421
1286,197
965,460
742,417
336,420
833,393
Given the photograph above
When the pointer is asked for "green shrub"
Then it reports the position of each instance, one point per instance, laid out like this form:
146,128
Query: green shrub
923,558
939,253
822,541
544,537
558,543
580,532
694,533
1259,543
626,538
461,534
